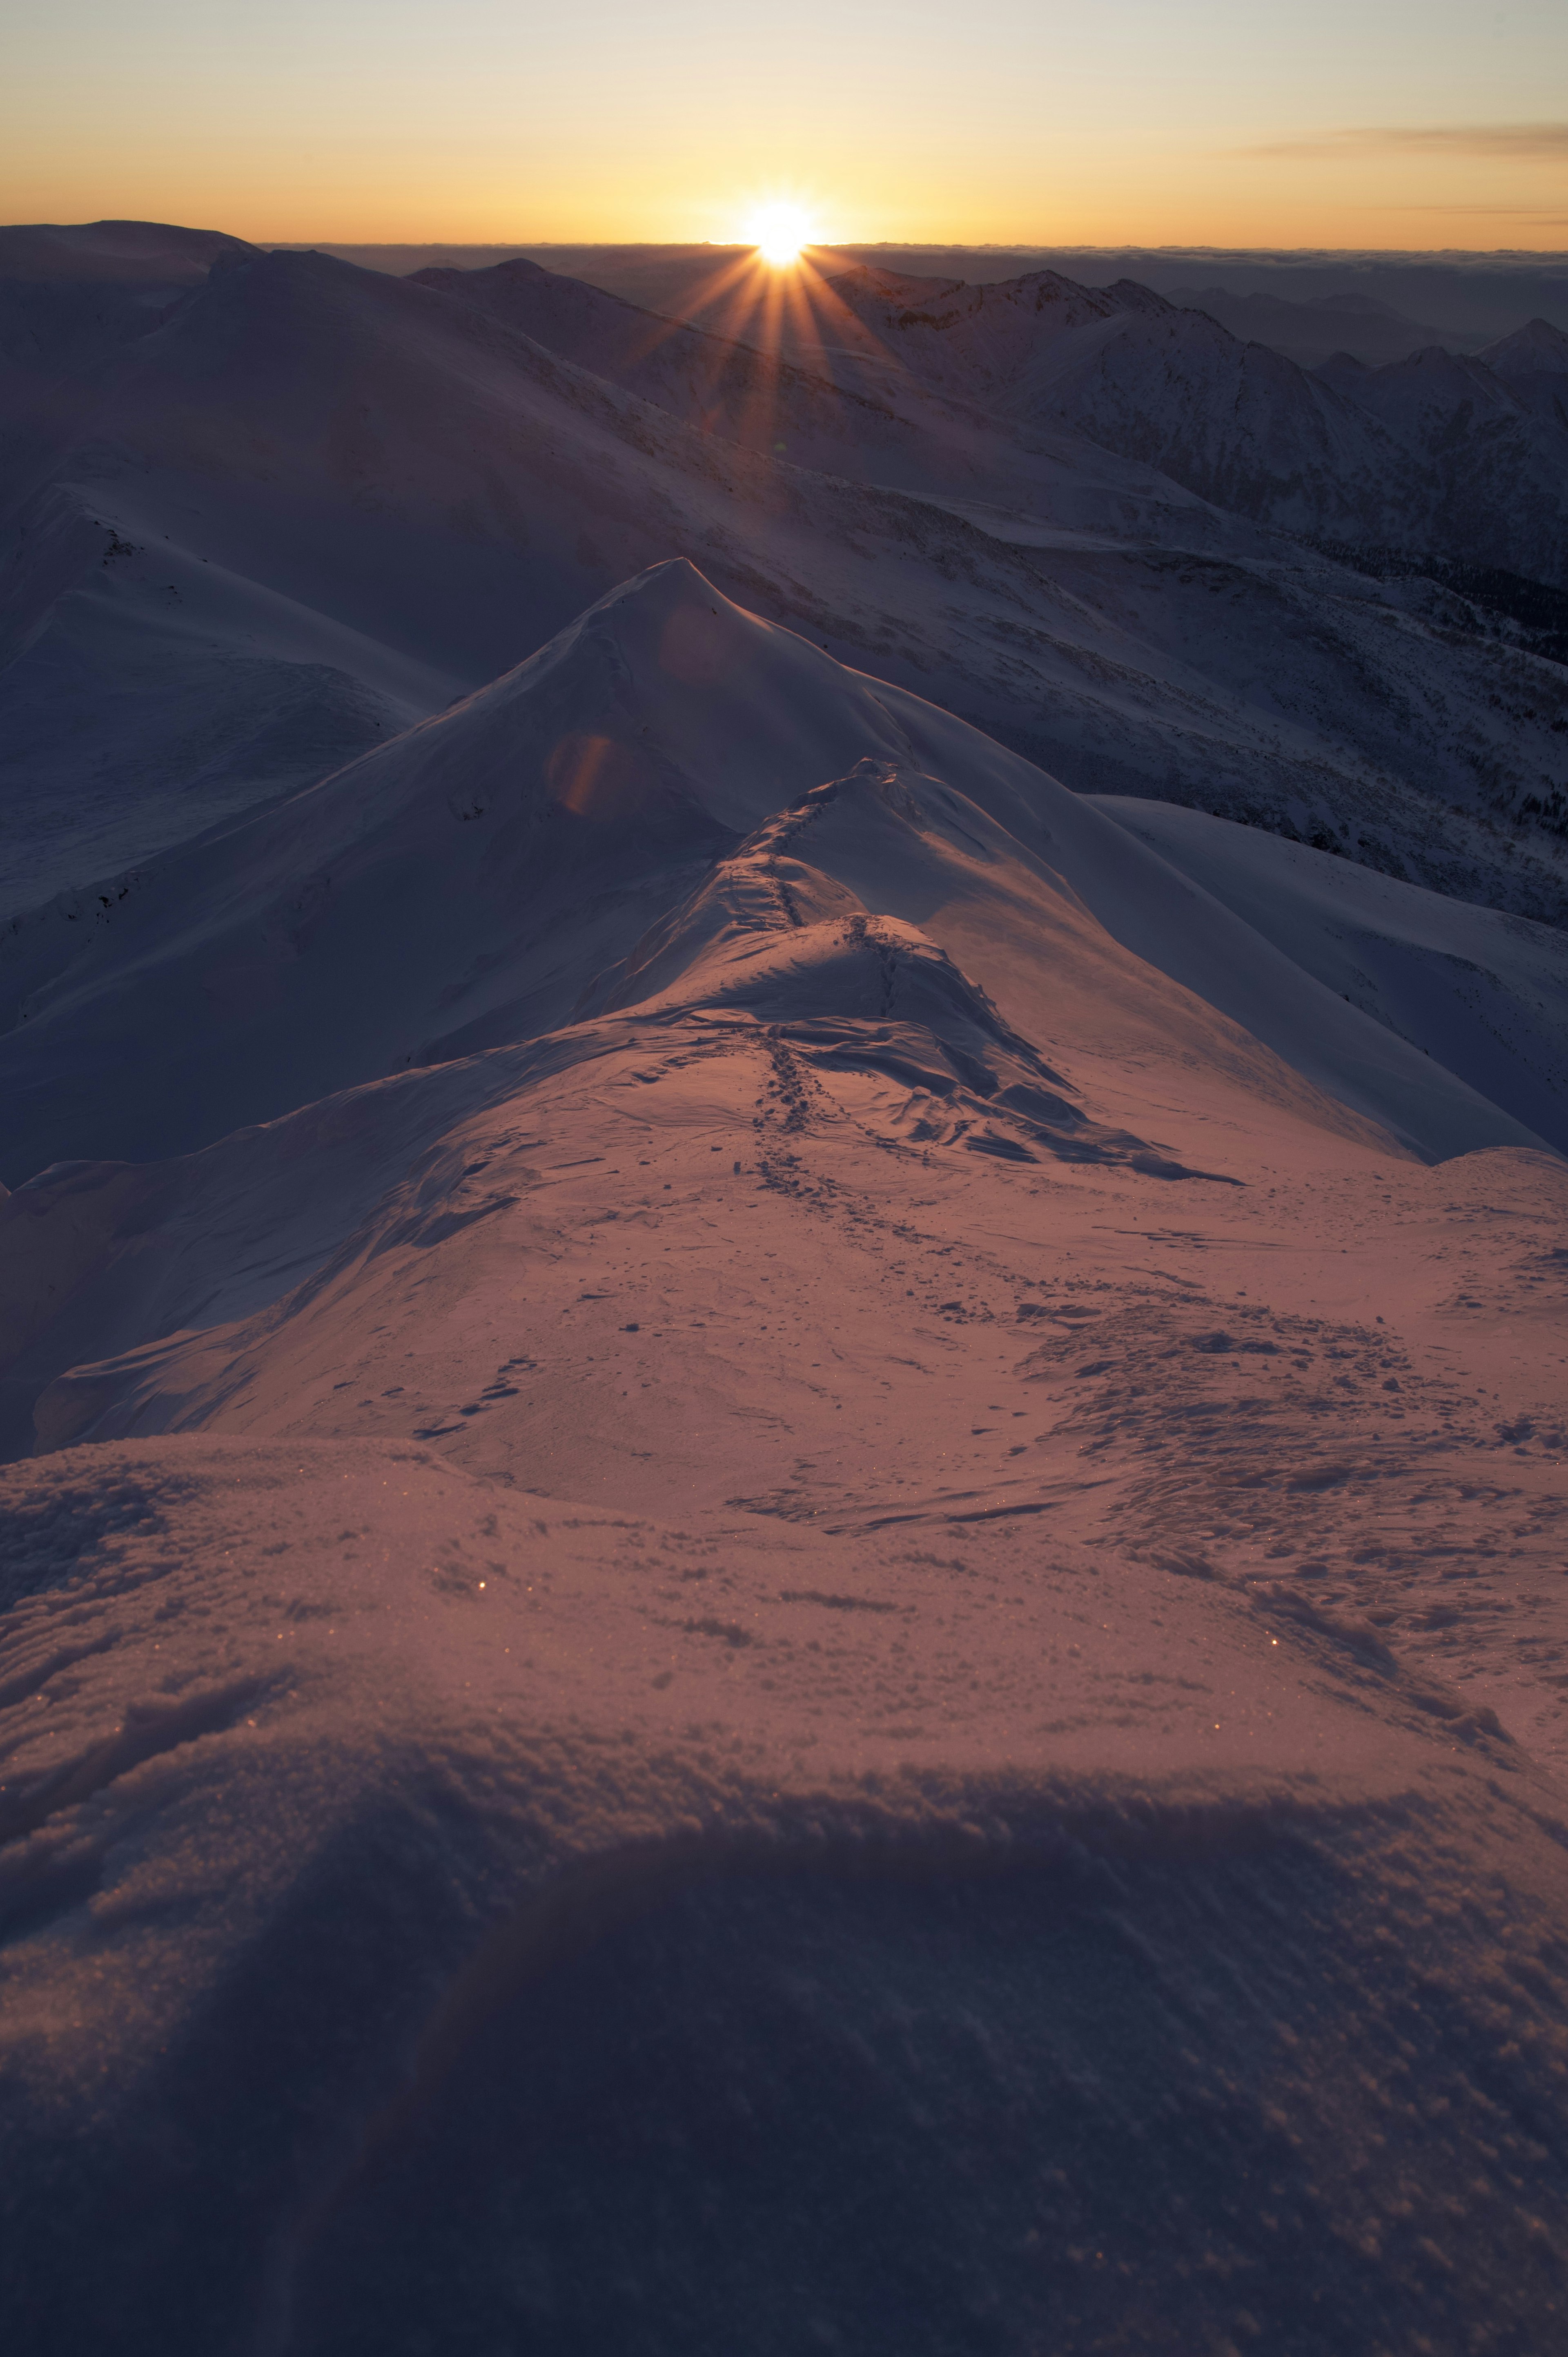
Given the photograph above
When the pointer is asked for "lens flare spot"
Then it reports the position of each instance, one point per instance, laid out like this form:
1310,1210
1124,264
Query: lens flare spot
593,777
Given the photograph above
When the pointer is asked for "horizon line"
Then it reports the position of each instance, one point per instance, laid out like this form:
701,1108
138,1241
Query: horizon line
917,245
1551,257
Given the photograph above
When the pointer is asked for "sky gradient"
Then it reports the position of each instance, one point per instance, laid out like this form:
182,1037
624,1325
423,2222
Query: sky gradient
1393,125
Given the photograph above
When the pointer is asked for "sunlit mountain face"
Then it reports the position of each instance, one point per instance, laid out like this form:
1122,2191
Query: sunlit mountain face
783,1273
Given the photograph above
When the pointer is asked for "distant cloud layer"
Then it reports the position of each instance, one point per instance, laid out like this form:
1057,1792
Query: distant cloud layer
1506,139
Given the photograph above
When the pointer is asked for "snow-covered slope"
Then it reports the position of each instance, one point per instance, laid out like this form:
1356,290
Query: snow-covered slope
1533,363
508,1921
468,885
1496,459
1432,452
892,430
101,253
1140,375
580,1977
70,296
780,1563
70,300
1484,993
615,1642
338,500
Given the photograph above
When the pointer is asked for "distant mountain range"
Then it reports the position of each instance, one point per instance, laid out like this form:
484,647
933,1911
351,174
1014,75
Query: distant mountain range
261,510
1474,298
1463,455
1313,331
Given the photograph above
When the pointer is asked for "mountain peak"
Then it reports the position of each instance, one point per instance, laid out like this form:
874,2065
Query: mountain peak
1535,347
1130,295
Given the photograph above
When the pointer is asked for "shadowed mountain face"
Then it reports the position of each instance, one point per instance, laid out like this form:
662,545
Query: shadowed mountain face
69,296
1533,364
307,505
1312,332
507,868
1466,466
899,433
101,252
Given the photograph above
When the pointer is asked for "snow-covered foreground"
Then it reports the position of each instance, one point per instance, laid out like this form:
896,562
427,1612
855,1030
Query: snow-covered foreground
448,1917
783,1560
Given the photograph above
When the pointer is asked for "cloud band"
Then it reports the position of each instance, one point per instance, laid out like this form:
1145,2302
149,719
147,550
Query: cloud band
1547,140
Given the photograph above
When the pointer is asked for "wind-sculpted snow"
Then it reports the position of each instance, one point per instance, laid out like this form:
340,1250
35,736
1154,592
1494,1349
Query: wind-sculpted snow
504,1927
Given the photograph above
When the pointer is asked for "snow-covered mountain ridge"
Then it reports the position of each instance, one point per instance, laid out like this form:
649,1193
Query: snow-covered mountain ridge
1433,452
961,1377
314,504
475,881
781,1495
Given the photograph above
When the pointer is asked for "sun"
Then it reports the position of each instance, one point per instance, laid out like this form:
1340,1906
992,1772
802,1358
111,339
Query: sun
778,233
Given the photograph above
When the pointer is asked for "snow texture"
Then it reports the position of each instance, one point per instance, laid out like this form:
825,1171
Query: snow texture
781,1531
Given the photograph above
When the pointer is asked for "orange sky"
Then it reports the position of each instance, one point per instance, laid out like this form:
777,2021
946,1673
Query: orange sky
1025,121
